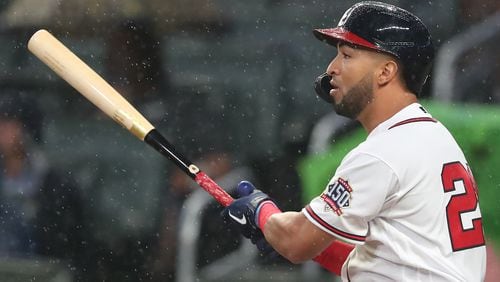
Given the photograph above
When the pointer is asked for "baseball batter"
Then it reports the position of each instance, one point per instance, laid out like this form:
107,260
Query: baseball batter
405,199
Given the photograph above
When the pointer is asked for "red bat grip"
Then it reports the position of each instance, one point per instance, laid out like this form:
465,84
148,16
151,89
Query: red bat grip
213,189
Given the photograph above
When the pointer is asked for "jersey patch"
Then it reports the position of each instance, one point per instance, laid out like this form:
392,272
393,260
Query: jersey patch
338,196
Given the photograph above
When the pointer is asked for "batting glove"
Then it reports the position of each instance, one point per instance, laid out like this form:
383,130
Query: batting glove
243,212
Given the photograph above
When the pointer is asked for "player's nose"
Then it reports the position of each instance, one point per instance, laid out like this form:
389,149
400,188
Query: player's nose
333,68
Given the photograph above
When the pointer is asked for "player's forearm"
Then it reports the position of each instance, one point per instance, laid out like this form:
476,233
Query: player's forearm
290,235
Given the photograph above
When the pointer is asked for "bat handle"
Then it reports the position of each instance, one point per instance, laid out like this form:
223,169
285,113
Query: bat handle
159,143
213,189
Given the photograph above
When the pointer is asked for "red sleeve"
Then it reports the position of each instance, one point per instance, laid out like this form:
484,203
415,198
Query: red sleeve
334,256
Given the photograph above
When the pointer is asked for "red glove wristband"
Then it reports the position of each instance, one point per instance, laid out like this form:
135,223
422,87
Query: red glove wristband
333,257
267,209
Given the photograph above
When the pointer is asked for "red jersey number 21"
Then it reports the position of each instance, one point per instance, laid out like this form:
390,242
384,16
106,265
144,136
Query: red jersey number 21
461,238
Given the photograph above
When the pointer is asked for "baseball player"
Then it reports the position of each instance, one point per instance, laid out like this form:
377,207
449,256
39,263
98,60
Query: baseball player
402,205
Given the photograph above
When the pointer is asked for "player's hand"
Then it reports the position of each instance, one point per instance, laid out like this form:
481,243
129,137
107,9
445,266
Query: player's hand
242,212
266,251
249,194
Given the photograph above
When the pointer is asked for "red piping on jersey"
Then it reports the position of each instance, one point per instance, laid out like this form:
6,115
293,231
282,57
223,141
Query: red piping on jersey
410,120
333,229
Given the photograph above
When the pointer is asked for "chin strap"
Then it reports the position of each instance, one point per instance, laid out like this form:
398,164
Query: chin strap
322,87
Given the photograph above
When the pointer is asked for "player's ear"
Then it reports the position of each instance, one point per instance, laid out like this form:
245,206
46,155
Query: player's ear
387,71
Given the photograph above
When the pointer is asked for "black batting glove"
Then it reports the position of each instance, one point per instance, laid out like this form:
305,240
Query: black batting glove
242,212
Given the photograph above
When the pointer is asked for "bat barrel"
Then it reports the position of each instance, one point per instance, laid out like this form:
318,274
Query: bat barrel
90,84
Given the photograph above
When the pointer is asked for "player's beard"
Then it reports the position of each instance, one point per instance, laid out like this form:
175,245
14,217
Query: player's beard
356,99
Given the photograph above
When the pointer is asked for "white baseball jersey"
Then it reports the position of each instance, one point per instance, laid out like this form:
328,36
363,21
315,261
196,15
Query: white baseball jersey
407,198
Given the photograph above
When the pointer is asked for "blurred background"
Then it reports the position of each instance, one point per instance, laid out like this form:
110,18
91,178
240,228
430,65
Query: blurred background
229,83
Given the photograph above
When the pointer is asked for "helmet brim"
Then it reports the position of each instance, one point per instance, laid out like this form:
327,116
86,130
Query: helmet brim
332,36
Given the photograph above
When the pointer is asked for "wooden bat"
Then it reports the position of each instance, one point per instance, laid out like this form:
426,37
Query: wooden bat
91,85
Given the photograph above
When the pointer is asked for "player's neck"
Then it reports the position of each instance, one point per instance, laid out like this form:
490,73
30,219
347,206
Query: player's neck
384,106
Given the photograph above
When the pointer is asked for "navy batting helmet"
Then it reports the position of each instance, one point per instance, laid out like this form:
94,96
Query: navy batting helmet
389,29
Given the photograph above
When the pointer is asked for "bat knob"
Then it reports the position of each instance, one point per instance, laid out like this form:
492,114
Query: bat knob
245,188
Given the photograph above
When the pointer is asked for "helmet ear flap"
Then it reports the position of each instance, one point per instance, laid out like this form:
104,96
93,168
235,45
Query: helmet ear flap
322,87
416,75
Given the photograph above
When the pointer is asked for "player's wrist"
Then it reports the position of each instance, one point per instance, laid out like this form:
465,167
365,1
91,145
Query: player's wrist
264,211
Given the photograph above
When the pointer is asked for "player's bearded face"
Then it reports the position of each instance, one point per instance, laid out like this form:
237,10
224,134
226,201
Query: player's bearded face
355,99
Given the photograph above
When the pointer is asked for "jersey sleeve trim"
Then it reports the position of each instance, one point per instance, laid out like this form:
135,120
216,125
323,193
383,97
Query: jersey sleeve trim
342,234
410,120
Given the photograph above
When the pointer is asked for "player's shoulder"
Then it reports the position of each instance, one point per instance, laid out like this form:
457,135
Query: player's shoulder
366,155
411,134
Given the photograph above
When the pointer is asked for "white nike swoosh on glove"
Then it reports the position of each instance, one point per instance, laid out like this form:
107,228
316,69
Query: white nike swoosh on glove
241,220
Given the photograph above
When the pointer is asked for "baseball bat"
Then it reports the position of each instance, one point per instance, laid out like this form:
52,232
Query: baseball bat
91,85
